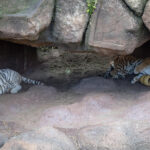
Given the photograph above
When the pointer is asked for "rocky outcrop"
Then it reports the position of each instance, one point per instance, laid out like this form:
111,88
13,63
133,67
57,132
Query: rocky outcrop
115,29
95,114
136,5
98,137
70,21
146,15
44,138
25,19
115,136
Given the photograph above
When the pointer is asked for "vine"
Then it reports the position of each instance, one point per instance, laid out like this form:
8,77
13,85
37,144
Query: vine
91,4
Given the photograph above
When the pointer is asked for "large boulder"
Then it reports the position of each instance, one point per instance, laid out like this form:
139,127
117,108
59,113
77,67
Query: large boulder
70,20
45,138
146,15
95,114
115,136
114,29
137,6
24,20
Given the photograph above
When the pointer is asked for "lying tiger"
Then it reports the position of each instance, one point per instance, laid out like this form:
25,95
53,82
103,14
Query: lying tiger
128,64
10,81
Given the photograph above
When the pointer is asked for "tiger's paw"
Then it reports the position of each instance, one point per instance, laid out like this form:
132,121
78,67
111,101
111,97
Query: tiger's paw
133,81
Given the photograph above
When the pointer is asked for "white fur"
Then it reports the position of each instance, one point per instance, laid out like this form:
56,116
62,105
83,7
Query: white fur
145,71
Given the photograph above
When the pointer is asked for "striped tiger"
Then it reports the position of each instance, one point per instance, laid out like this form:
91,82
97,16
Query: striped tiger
10,81
122,66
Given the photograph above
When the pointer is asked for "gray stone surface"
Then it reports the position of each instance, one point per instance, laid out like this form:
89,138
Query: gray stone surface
136,5
70,20
115,29
3,139
104,137
115,136
45,138
95,114
24,19
146,15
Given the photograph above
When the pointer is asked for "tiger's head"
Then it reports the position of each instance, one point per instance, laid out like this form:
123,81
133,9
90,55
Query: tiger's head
116,72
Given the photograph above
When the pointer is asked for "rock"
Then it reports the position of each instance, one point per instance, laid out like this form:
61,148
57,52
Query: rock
139,111
3,139
114,29
146,15
119,135
104,137
136,5
80,114
44,39
45,138
99,101
70,20
24,20
96,114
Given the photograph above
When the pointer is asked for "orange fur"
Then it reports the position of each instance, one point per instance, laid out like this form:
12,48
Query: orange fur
122,66
142,66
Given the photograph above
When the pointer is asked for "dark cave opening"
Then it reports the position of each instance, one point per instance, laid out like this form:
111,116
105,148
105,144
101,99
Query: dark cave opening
143,51
26,60
17,57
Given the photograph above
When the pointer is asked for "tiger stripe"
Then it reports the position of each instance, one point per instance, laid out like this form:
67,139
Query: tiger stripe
122,66
10,81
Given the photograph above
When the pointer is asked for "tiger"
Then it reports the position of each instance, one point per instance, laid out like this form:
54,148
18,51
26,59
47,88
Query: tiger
10,81
142,70
122,66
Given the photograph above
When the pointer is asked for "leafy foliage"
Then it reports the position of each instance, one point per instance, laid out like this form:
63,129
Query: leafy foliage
91,4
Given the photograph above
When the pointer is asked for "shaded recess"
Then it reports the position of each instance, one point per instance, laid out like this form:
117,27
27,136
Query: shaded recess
143,51
17,57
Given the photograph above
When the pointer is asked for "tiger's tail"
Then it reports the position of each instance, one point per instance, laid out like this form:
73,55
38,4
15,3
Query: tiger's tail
30,81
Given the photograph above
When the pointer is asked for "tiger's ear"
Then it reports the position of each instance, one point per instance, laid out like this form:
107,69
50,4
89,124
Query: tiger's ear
112,64
114,59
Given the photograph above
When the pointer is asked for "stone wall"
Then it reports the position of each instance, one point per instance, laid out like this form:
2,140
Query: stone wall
115,27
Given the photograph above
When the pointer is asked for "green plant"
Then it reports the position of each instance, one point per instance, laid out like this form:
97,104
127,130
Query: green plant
91,4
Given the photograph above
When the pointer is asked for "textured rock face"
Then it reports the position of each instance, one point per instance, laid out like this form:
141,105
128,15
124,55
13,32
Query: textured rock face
115,136
96,114
146,15
115,29
105,137
137,6
25,19
44,139
70,20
